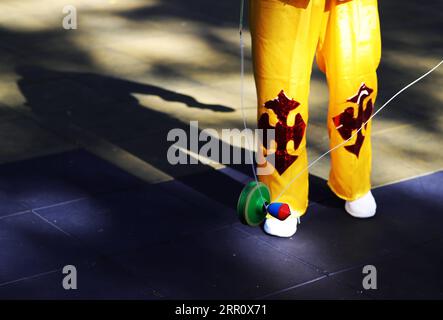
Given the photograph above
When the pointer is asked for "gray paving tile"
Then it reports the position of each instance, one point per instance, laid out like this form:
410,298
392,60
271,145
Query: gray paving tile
222,264
414,206
410,275
95,280
326,288
121,221
31,246
53,179
331,240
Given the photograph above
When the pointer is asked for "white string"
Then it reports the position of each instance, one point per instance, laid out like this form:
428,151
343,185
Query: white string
344,142
242,76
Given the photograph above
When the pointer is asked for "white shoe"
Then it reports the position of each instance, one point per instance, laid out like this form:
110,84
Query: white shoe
279,228
363,207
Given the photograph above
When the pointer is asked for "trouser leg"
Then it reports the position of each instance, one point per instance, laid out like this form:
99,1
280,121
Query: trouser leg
349,53
284,39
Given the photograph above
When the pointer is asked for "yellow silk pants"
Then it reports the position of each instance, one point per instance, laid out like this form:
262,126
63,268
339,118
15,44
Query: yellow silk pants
344,36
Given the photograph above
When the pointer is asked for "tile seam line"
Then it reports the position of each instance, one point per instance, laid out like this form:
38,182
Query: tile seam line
15,214
392,253
420,175
53,225
29,277
134,188
92,195
291,287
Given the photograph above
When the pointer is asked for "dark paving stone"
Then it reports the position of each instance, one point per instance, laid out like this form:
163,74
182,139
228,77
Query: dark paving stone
332,240
123,221
177,237
412,275
215,185
414,206
95,280
325,288
57,178
223,264
7,113
187,194
408,213
8,205
30,246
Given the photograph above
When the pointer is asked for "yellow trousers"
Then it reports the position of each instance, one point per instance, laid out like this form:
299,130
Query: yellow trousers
345,38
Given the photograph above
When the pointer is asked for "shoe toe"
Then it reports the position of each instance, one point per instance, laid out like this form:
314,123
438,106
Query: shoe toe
364,207
284,229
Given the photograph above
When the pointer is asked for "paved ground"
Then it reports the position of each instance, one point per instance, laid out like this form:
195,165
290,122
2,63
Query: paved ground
132,239
83,121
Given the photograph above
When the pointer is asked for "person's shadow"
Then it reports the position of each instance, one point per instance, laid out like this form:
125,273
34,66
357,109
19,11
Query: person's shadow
106,107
